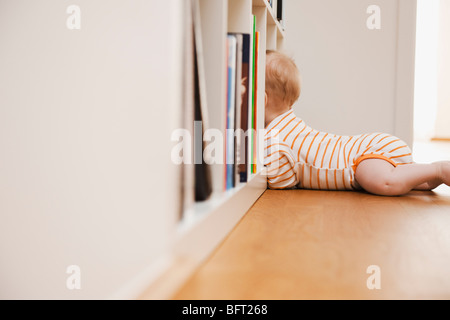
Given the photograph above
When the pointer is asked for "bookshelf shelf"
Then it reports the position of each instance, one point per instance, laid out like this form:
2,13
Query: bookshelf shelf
262,3
214,218
272,15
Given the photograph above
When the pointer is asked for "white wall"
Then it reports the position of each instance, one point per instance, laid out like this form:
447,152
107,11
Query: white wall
425,106
350,73
85,121
443,76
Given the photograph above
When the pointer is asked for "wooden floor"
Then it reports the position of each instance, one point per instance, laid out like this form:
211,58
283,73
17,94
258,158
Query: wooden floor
318,245
301,244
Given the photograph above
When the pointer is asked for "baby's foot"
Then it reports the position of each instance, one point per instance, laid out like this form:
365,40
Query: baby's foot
444,171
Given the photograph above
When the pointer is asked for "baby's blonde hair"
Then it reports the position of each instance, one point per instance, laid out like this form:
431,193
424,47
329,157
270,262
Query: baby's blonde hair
282,77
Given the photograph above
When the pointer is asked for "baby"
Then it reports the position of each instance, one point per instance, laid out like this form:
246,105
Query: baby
299,156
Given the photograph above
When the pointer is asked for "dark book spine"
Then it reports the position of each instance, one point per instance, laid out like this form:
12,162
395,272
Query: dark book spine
246,67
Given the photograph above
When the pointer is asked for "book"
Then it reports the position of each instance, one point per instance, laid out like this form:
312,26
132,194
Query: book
246,81
203,181
187,177
280,13
238,104
230,113
253,114
255,111
253,105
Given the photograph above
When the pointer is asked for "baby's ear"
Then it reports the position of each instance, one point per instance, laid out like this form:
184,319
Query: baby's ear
266,99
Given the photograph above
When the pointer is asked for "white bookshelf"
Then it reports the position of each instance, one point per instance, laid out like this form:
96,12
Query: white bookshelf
207,224
99,190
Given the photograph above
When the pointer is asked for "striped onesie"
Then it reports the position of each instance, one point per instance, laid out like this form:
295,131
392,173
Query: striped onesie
299,156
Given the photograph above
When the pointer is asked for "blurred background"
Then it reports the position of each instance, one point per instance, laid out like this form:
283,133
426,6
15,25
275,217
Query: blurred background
356,80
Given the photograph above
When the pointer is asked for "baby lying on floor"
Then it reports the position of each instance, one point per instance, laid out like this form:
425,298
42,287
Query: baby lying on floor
299,156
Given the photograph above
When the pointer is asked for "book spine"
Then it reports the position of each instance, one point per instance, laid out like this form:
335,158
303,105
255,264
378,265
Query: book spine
246,104
280,13
203,181
226,117
187,171
255,112
231,110
239,96
252,109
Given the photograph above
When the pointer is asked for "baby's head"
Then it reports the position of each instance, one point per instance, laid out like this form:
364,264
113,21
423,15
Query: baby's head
282,81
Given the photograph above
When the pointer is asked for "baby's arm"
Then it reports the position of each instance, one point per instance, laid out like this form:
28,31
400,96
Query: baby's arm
380,177
281,172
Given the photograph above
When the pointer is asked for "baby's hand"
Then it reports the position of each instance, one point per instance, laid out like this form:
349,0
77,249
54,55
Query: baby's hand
243,86
243,89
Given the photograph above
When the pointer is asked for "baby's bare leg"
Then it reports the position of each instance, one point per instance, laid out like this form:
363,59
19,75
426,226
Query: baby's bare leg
380,177
425,187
